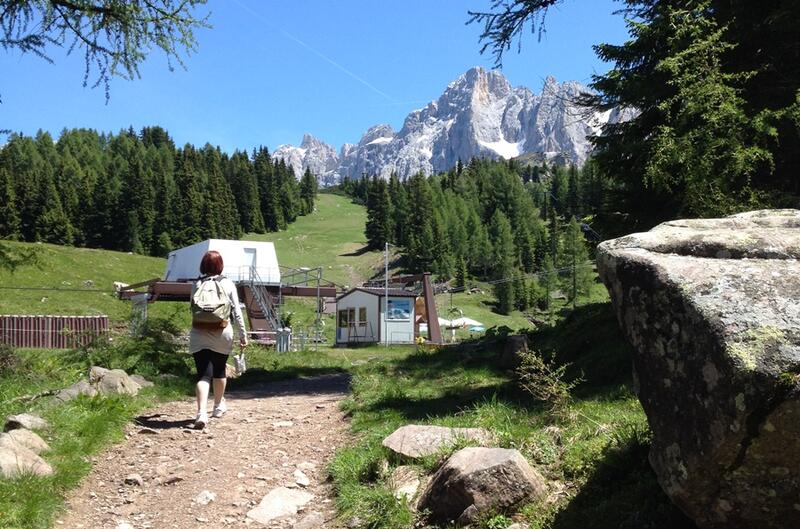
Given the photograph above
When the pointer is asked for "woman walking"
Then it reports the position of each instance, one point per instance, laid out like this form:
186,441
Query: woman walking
214,302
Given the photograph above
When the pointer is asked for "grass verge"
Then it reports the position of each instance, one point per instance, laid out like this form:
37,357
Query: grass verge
594,459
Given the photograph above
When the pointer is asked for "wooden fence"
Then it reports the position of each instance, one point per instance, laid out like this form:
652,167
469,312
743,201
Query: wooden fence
51,332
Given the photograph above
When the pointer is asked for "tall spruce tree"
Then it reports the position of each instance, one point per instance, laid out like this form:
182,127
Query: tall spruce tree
9,216
503,269
308,191
575,259
379,228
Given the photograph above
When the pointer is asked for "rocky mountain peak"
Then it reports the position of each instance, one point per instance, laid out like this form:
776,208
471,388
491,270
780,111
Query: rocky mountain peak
378,133
310,142
478,114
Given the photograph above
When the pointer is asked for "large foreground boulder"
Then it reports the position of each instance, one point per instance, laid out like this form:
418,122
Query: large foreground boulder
712,308
476,481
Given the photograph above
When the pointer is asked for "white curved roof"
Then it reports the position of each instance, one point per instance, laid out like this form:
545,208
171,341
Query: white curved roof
242,260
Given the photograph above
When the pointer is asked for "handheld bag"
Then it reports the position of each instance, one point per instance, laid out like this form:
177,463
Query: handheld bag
211,306
239,363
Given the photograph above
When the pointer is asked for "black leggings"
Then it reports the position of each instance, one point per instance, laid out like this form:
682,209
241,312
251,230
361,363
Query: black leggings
210,364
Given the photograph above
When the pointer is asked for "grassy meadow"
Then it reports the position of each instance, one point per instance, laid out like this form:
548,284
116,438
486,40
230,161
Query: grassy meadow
594,456
332,237
73,281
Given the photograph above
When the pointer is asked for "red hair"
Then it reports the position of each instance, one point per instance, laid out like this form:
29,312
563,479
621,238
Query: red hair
211,265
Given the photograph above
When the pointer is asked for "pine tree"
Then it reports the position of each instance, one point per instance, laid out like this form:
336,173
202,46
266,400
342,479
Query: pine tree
52,224
379,228
244,186
192,223
308,191
576,259
503,257
9,216
268,191
574,192
422,247
548,282
462,274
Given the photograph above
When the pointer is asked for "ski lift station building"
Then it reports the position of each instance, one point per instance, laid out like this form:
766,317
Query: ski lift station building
244,261
361,316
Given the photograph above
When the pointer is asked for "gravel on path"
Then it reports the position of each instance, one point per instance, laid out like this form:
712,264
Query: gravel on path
167,475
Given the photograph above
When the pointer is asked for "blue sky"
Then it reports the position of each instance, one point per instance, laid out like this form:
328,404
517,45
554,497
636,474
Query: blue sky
269,71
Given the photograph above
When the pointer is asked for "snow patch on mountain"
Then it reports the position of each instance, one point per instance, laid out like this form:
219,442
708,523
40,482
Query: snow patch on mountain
503,148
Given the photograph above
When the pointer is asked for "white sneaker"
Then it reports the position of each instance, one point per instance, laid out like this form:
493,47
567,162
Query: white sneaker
201,421
220,410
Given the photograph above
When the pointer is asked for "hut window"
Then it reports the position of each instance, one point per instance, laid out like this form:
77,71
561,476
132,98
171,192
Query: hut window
362,316
343,318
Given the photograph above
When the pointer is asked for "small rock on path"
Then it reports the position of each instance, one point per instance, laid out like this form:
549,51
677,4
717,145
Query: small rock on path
240,458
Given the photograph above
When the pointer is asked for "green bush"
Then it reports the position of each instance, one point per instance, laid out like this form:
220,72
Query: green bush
9,361
545,382
154,351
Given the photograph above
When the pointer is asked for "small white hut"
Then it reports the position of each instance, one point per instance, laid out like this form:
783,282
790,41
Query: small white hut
244,260
360,316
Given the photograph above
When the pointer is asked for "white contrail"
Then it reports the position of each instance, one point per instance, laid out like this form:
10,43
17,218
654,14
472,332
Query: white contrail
319,54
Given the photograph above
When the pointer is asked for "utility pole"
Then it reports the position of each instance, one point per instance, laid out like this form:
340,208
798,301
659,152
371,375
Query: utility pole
386,296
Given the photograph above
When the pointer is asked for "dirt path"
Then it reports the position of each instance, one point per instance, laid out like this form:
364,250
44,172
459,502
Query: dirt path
268,433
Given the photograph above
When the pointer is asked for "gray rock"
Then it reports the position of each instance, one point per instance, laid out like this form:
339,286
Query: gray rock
134,479
81,387
404,483
20,460
25,420
416,441
479,480
310,521
712,308
112,381
278,503
514,347
354,522
205,497
143,382
300,478
24,438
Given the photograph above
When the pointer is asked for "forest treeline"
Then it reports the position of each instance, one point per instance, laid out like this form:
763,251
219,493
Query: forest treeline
489,220
138,192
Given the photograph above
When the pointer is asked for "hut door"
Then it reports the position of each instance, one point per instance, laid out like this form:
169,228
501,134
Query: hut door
250,263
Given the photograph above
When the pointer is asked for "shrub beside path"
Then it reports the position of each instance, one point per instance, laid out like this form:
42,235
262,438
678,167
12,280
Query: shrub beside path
167,475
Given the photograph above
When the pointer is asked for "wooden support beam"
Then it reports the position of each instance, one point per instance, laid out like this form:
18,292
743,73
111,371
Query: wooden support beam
434,332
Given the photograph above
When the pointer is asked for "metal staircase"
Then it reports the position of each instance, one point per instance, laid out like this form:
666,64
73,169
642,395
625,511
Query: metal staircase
265,321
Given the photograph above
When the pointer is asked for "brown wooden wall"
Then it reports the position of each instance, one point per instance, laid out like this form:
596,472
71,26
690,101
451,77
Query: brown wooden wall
51,332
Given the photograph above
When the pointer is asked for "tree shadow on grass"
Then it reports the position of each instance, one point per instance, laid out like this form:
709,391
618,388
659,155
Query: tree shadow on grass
358,253
445,405
622,493
590,340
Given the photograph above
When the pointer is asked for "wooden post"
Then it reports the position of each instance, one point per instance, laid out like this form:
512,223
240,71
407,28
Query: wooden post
434,333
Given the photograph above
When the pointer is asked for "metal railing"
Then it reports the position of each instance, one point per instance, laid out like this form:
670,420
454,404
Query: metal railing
264,300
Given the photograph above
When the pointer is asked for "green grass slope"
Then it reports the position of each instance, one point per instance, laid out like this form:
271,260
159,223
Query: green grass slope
332,237
73,281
